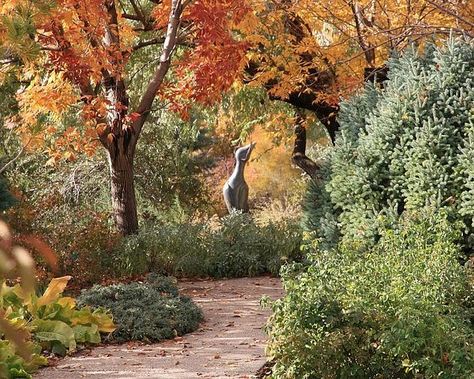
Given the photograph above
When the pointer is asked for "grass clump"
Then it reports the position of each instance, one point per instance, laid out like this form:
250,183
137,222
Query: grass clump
234,246
149,311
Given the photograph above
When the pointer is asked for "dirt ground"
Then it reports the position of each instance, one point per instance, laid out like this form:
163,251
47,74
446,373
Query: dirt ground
229,344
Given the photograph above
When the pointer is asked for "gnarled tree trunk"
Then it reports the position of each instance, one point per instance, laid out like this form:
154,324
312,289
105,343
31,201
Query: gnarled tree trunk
299,157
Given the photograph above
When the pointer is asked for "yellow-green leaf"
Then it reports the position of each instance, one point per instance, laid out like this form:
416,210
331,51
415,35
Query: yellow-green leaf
67,302
55,288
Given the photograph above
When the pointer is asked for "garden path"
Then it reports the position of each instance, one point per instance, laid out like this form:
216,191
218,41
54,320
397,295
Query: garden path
229,343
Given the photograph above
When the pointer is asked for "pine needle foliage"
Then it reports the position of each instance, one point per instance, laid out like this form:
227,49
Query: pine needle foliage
400,148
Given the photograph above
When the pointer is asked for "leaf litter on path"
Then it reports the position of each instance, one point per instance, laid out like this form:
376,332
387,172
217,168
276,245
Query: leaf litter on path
230,342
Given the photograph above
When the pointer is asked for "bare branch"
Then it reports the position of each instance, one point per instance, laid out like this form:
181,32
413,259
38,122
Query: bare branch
52,48
138,11
154,41
451,13
169,45
14,159
360,23
133,17
159,40
9,60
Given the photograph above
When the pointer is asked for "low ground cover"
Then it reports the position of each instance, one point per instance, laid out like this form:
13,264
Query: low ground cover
151,310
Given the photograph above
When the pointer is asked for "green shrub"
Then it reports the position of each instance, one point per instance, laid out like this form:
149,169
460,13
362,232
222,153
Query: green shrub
233,246
6,198
400,309
400,148
240,247
384,294
147,311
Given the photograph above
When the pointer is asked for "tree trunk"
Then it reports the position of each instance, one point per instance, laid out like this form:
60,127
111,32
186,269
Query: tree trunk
124,203
120,135
299,150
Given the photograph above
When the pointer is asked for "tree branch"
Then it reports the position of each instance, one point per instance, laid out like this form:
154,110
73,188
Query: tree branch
9,60
169,45
154,41
451,13
133,17
367,48
138,11
15,158
158,40
326,113
141,16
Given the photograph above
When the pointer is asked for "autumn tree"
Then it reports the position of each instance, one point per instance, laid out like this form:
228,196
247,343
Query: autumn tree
310,54
71,56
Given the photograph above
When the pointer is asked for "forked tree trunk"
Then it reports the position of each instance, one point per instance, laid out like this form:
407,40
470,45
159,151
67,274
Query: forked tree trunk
124,203
120,137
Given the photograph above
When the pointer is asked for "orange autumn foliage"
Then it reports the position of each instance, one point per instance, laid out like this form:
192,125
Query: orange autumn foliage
76,46
70,52
300,45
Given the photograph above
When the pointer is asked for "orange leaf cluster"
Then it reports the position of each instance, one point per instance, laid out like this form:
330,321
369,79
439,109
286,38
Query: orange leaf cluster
76,33
70,143
209,69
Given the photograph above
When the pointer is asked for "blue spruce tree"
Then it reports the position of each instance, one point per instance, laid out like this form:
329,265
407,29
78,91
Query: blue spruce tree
405,146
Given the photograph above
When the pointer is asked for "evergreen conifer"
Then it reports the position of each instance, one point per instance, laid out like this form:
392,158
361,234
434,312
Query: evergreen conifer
402,147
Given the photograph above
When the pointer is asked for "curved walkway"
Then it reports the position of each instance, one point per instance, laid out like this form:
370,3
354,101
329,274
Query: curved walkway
229,344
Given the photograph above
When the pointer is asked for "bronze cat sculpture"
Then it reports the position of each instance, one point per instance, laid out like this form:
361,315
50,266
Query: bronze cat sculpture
236,190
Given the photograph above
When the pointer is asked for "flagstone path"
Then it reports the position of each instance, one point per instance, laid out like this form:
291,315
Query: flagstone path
229,344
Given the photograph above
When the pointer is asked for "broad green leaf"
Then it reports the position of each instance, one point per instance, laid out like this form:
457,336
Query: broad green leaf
58,348
88,334
67,302
82,317
17,336
104,322
99,317
54,330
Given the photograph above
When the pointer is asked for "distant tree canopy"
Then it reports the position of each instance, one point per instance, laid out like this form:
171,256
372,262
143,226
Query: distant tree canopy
310,54
293,41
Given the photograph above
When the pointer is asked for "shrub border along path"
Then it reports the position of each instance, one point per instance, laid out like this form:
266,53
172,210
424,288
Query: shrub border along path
229,343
